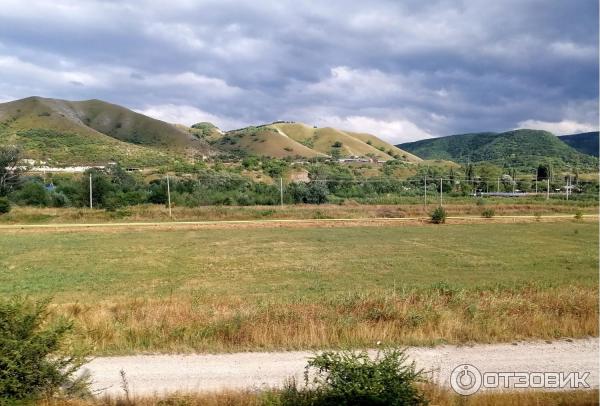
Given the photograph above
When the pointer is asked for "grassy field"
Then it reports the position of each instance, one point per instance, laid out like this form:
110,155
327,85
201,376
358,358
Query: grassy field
435,395
278,288
411,208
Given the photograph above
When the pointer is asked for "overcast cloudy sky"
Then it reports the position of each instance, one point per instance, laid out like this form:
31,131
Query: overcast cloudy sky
403,69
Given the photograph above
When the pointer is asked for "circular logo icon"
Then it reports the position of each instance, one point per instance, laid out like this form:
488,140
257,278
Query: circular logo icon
465,379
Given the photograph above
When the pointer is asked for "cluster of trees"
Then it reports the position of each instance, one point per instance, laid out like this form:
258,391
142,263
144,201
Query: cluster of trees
115,188
225,184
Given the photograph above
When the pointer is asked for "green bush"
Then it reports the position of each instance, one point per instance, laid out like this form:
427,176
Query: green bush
32,193
578,215
349,378
438,216
488,213
4,205
32,359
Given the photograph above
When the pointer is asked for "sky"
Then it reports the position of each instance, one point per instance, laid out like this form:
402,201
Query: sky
401,69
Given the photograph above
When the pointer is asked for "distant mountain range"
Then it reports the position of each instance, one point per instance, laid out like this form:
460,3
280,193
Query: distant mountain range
586,143
518,148
64,132
94,132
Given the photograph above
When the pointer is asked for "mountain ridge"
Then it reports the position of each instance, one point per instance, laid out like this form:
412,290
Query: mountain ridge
586,143
515,148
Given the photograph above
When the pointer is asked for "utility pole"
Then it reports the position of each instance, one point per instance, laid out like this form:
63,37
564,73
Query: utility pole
281,191
548,188
169,196
91,204
498,187
441,194
568,185
425,196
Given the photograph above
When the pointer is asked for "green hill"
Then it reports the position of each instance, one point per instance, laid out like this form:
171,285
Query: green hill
519,149
586,143
93,132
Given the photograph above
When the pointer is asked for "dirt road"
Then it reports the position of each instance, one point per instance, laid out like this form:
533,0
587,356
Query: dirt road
288,223
160,374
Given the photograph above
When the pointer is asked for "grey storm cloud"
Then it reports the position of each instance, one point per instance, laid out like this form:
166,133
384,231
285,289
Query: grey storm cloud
401,69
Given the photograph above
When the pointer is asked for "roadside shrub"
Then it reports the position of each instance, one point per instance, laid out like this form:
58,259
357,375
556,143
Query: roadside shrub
32,363
350,378
488,213
4,205
438,216
578,215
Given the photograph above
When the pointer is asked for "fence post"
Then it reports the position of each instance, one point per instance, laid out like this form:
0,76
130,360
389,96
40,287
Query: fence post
169,197
281,191
91,204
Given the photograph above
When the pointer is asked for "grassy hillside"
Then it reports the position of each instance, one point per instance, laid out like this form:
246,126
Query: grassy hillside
586,143
265,141
385,146
518,148
307,141
91,132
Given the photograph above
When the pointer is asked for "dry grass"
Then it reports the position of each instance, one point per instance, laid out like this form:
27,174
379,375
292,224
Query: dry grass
33,215
418,317
436,396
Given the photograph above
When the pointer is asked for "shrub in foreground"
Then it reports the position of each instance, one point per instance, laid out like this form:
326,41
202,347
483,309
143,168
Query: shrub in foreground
438,216
353,378
32,364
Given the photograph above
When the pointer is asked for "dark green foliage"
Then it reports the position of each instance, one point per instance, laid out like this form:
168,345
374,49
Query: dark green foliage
31,362
31,193
337,144
274,167
488,213
314,192
586,143
522,149
350,378
438,216
4,205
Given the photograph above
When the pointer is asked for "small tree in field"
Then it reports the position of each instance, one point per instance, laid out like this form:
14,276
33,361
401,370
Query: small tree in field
32,363
488,213
438,216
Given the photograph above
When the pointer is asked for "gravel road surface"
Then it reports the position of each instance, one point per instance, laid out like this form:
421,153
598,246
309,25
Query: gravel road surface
160,374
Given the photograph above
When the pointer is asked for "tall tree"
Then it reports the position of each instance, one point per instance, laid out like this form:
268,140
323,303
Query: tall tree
9,168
